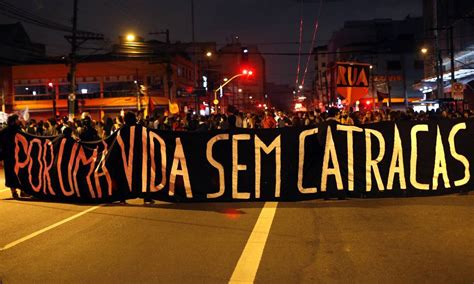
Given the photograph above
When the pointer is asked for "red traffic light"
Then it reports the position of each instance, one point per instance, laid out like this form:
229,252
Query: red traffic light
247,71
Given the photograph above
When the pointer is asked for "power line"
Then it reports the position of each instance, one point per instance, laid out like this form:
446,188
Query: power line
316,25
299,48
11,11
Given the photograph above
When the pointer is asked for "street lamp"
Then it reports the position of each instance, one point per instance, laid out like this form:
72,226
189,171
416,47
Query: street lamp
424,50
130,37
209,54
245,72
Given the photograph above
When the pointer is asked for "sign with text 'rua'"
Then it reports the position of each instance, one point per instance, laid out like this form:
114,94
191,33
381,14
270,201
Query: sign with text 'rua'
383,159
352,80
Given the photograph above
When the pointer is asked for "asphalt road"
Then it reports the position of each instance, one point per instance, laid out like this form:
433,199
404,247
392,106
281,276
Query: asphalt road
429,239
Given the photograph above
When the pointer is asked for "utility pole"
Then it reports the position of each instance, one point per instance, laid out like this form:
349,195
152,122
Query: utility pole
326,85
3,98
389,89
438,58
451,49
194,58
137,86
404,75
72,71
372,86
73,40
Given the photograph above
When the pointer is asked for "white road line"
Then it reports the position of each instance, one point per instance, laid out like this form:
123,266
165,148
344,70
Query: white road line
39,232
247,266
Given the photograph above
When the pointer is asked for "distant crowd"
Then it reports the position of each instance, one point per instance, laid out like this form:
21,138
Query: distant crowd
87,129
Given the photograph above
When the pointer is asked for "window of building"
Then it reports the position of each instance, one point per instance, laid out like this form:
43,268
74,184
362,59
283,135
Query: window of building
31,92
119,89
154,83
394,65
88,90
63,92
83,90
323,64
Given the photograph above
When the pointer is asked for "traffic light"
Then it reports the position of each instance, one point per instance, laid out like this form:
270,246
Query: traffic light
247,71
244,55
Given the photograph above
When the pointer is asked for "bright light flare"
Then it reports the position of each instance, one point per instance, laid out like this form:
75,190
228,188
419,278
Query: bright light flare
130,37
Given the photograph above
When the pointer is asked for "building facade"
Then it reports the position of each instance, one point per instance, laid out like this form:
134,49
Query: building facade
104,86
16,48
391,47
449,29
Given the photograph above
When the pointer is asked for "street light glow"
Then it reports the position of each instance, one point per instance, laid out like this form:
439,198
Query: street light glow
225,79
209,54
300,87
130,37
240,90
424,50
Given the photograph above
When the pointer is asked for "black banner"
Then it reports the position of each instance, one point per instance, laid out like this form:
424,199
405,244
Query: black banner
332,160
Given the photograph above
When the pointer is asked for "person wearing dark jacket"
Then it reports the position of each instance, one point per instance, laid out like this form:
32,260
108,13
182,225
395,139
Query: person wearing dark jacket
7,137
203,125
88,133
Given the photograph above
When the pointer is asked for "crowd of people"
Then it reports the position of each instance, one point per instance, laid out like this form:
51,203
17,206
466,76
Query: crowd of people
87,129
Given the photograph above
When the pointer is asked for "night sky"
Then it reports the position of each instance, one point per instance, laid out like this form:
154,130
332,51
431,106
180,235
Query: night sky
269,23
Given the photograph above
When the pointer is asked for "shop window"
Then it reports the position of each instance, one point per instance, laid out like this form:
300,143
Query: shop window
154,83
88,90
31,92
119,89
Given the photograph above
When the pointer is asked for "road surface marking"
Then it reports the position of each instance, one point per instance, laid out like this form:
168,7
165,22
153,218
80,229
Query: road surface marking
247,266
39,232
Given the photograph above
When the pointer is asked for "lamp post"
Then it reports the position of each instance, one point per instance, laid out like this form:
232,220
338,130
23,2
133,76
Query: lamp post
439,74
372,85
245,72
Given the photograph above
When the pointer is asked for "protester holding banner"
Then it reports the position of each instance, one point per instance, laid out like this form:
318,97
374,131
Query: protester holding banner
7,146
